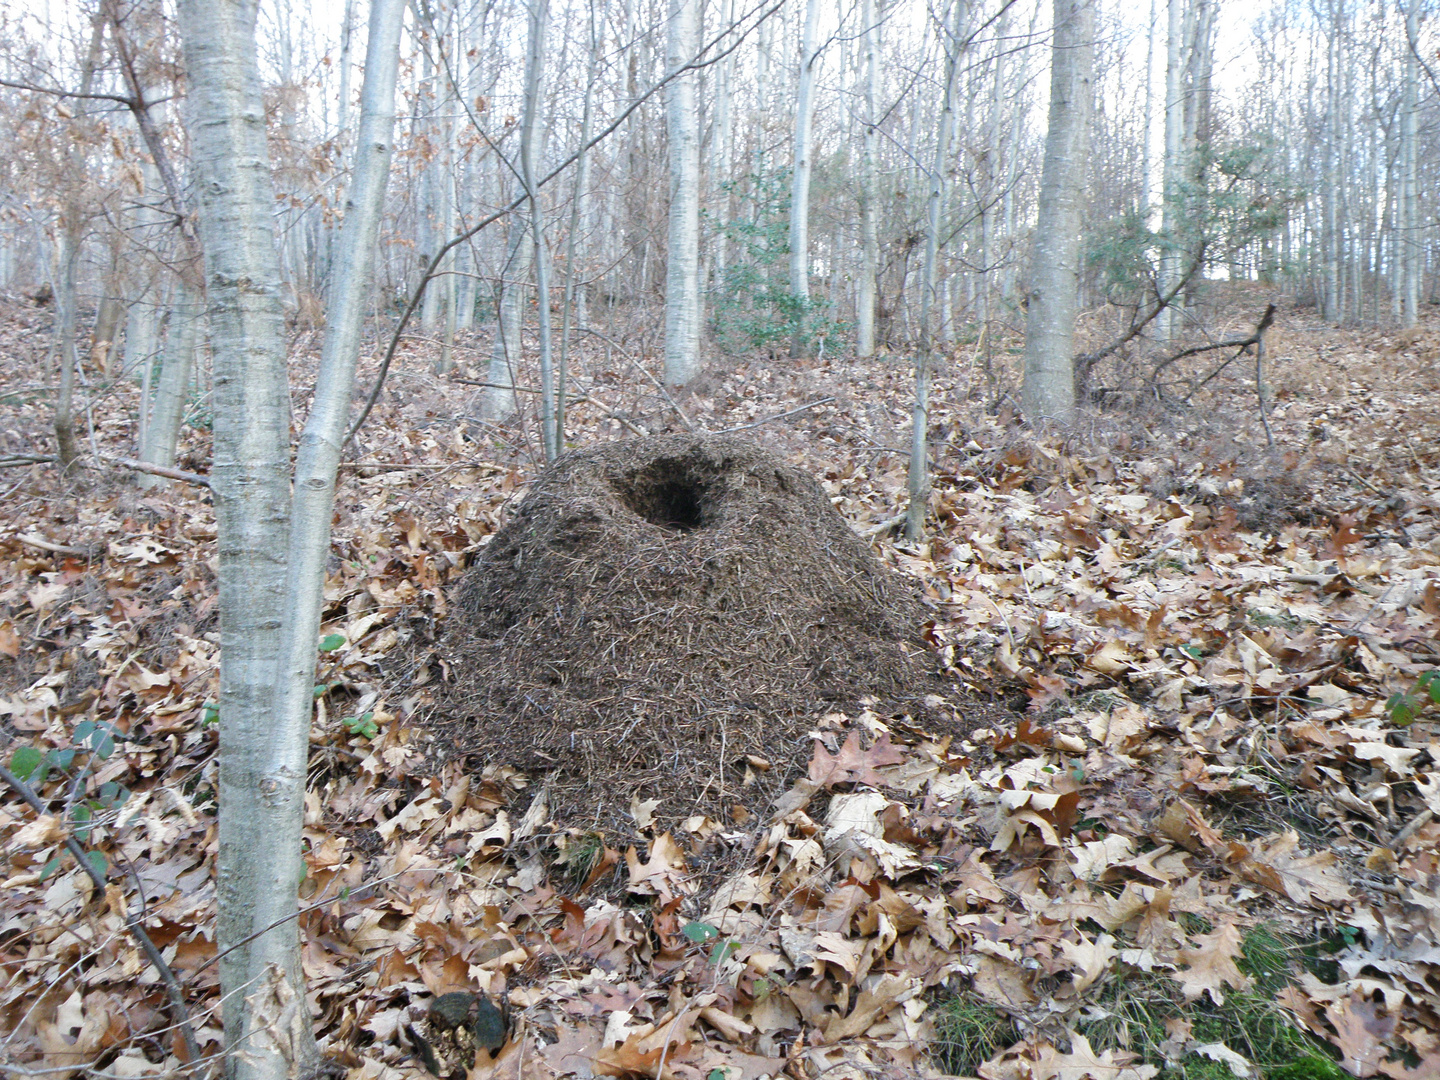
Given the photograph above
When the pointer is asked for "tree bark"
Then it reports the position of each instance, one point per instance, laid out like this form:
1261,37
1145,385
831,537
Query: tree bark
529,126
568,311
172,389
800,179
1407,203
1049,390
682,270
953,40
272,554
67,256
869,183
249,476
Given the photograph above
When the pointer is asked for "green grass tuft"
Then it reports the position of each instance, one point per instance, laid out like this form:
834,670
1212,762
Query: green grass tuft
968,1033
1131,1013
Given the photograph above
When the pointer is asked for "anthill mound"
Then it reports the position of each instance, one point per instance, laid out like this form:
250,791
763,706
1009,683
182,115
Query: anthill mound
669,617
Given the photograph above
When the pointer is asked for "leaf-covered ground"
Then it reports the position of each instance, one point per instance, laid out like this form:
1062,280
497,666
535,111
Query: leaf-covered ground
1207,848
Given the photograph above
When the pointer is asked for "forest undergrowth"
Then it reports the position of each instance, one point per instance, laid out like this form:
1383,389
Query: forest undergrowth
1206,847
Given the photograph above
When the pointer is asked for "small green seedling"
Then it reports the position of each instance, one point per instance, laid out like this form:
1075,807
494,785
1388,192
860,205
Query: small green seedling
1404,707
331,642
97,736
25,761
363,725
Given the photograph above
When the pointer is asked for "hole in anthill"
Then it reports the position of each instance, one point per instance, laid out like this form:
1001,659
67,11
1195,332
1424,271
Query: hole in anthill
667,494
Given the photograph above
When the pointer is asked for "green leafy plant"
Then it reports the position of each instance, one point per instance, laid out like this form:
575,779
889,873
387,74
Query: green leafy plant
753,306
331,642
1403,707
703,933
363,725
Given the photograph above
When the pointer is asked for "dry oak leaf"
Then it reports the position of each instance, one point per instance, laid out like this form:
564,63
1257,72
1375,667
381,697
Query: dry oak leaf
1082,1063
853,764
74,1036
1211,965
1238,1064
1360,1034
1092,860
1089,960
1306,879
887,992
1298,1003
45,829
1428,1069
665,872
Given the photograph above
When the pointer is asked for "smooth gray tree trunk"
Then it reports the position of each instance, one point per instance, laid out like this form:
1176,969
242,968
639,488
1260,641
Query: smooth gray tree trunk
498,400
1049,390
1408,198
250,479
869,183
952,40
682,268
800,178
529,175
569,311
271,554
172,389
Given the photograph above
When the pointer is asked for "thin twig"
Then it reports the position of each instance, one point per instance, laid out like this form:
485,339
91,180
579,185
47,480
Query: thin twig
1418,822
777,416
157,470
58,549
132,922
641,368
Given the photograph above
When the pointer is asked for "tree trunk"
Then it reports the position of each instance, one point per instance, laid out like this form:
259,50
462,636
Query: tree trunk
800,179
172,390
568,311
67,257
1330,238
952,39
342,119
498,400
869,183
68,254
249,477
1173,165
719,178
1049,391
272,554
529,125
682,272
1407,204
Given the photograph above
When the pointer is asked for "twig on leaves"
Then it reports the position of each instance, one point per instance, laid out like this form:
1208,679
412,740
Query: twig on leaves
777,416
882,527
54,549
132,922
1414,825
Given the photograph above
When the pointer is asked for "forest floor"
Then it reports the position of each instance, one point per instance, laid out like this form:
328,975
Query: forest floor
1207,846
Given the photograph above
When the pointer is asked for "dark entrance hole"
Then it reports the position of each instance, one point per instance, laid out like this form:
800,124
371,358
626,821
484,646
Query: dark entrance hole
668,494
